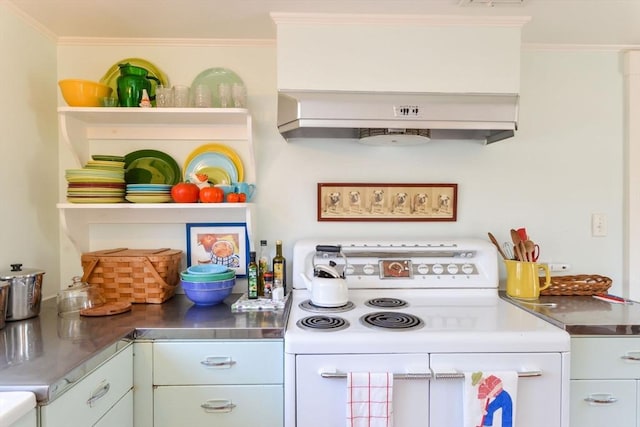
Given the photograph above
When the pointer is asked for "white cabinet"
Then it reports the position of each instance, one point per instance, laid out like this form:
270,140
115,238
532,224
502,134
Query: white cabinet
222,383
84,128
604,381
95,396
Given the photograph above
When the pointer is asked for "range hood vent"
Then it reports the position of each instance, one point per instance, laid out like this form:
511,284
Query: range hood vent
395,118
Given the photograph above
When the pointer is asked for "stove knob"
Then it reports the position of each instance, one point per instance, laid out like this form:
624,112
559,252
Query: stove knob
423,269
437,268
349,269
452,268
467,268
369,269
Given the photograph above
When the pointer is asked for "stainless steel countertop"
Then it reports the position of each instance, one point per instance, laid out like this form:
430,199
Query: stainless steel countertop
584,315
48,353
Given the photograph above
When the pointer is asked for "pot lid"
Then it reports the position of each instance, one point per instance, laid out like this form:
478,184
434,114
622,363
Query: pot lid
18,271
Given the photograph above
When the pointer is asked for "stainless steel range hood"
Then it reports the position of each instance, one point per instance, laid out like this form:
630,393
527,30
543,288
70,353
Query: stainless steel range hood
395,118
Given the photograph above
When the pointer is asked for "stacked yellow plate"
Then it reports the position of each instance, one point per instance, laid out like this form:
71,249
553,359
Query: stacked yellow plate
99,181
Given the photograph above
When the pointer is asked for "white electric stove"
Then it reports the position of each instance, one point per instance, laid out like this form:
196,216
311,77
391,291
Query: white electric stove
427,311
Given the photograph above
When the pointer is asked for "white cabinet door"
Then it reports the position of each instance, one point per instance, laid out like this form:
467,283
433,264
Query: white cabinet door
121,415
603,403
222,406
87,401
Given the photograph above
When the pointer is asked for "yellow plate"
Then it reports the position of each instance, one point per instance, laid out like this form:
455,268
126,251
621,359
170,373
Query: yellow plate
218,148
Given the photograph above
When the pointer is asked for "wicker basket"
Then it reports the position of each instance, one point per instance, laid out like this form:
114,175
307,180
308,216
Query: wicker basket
583,284
134,275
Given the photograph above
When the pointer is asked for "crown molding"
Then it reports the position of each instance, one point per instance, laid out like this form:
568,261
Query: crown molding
576,47
164,42
364,19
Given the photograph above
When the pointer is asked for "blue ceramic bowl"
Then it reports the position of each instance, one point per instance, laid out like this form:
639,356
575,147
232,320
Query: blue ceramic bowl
208,293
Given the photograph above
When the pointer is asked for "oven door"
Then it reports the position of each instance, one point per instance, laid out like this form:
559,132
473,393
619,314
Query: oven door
539,400
321,402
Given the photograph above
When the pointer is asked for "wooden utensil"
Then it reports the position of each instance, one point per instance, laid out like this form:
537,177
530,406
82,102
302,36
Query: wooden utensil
517,248
531,249
497,245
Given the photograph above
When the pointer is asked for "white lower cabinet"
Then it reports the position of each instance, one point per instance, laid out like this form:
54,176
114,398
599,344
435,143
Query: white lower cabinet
120,415
223,383
94,396
605,374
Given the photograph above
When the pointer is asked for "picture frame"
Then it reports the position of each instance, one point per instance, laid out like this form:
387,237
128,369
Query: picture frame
218,243
387,202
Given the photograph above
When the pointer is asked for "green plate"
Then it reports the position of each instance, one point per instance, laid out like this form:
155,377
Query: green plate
151,167
212,77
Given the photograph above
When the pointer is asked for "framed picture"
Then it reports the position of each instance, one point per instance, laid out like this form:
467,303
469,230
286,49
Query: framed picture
223,243
387,202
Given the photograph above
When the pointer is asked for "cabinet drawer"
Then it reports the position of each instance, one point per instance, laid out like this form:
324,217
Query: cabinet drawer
600,409
120,415
93,396
605,358
222,362
237,406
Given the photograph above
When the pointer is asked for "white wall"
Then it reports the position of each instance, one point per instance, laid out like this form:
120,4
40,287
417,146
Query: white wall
564,163
29,151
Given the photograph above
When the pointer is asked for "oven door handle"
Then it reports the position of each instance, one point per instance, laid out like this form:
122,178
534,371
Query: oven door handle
396,376
457,375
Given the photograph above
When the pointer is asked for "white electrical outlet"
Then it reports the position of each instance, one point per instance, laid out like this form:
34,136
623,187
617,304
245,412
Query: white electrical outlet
559,266
598,225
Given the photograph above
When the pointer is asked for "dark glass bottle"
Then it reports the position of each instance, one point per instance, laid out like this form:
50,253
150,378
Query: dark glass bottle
280,266
252,276
264,265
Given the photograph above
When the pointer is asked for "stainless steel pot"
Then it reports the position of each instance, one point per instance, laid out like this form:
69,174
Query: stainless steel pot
25,292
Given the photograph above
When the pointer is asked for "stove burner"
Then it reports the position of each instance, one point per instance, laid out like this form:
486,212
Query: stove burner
387,303
322,323
307,305
390,320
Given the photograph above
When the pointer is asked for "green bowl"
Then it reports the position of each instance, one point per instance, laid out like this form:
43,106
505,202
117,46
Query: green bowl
213,277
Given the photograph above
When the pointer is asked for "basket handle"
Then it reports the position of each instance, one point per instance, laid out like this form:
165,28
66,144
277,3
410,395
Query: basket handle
157,251
89,269
155,274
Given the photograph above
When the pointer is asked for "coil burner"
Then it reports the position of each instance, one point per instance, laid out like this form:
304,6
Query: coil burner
322,323
391,320
307,305
387,303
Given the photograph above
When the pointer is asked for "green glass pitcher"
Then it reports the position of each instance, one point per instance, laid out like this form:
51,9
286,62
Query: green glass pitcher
131,83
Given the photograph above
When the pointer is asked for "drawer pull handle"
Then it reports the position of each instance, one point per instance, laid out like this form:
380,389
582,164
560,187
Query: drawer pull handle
219,405
600,399
631,357
98,393
218,362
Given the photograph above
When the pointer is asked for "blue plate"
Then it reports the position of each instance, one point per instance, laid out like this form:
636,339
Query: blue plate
202,162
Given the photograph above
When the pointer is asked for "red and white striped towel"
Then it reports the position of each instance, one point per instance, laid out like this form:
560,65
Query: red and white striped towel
369,399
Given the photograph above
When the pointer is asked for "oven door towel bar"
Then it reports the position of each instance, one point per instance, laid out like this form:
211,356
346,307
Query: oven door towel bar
428,375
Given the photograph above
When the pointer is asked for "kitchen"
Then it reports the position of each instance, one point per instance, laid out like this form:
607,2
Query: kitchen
572,133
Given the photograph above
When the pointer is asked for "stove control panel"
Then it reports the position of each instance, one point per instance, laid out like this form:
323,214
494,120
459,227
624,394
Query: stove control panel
406,269
452,264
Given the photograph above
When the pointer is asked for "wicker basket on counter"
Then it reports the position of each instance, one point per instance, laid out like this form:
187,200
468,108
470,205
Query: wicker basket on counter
134,275
583,284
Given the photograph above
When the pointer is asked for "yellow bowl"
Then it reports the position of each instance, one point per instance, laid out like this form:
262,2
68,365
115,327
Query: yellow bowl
83,93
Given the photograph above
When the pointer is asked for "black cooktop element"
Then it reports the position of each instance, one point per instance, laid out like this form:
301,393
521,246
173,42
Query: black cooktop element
387,303
322,323
307,305
393,321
